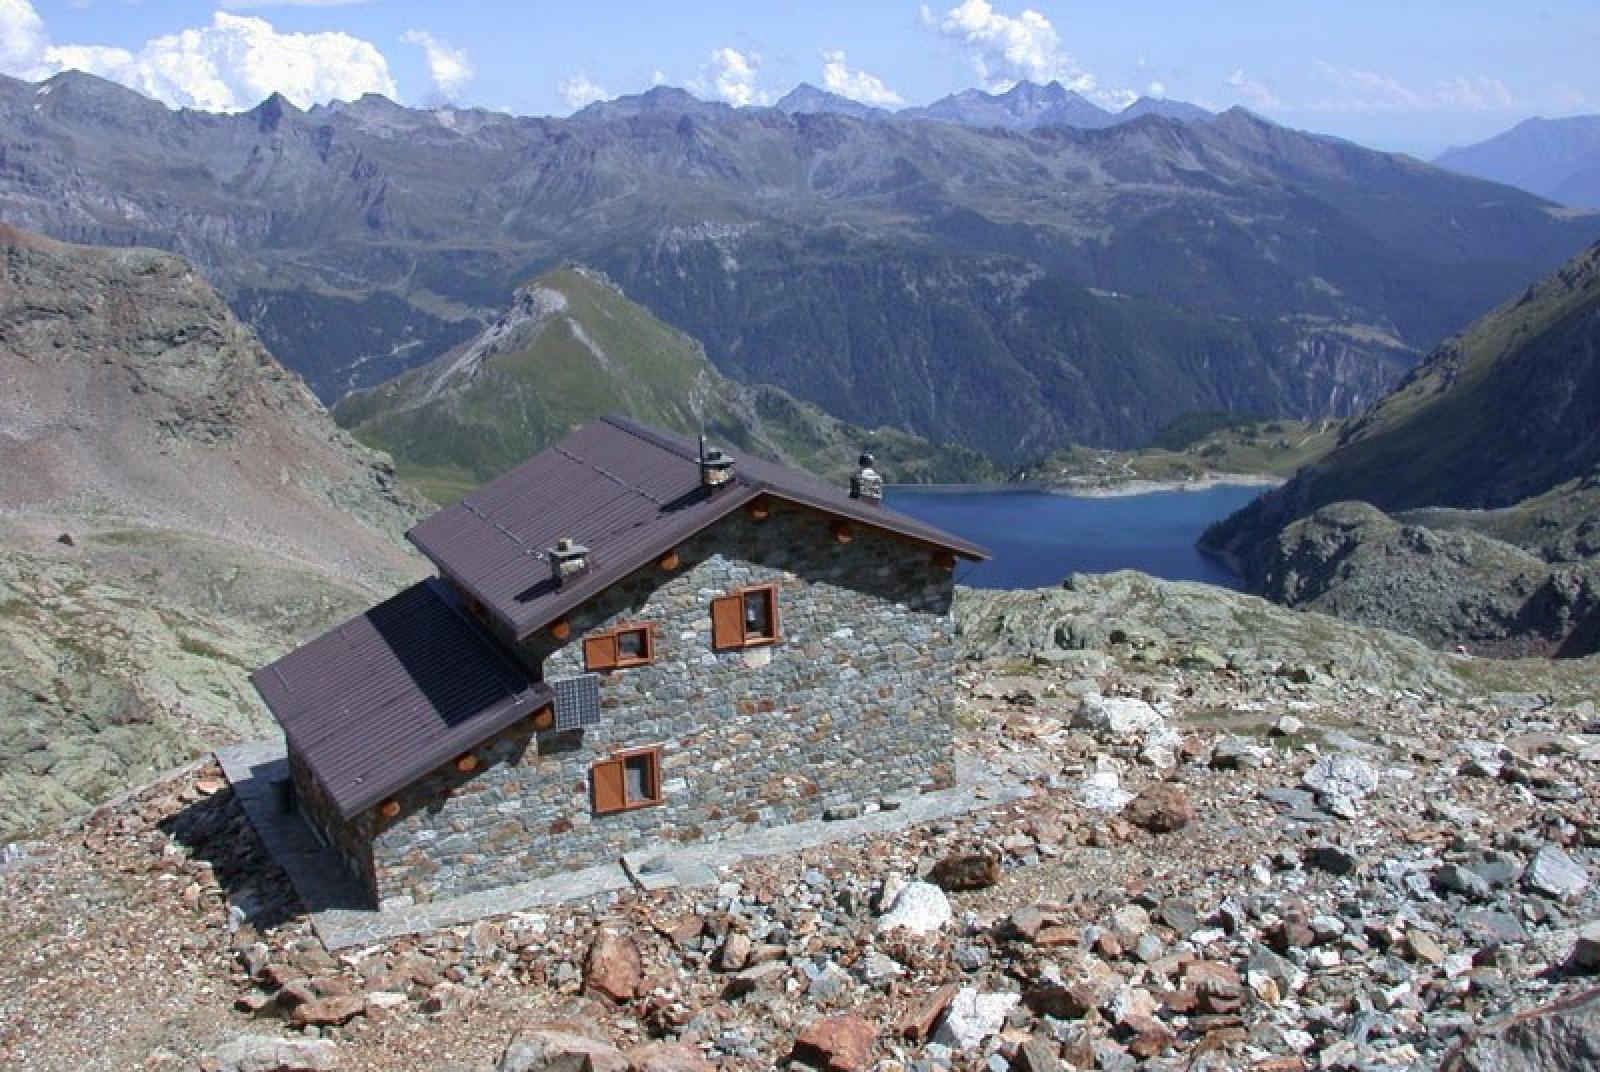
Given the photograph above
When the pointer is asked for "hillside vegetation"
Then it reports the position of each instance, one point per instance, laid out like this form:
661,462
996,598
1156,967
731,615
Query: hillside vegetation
571,348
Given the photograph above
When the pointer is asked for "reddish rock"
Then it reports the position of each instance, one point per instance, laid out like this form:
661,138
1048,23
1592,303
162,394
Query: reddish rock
836,1044
1160,808
328,1012
614,967
966,871
1151,1037
1036,1054
668,1057
919,1020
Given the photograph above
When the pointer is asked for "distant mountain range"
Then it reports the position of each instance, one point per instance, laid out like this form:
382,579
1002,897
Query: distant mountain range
1554,158
572,347
1010,290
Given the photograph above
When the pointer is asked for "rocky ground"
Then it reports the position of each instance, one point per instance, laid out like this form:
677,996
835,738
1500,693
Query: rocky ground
1258,840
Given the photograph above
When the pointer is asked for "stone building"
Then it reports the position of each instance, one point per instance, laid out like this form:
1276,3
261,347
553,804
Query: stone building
632,640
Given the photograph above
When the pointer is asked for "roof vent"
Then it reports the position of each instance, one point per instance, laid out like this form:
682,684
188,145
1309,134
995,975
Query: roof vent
867,483
568,558
716,467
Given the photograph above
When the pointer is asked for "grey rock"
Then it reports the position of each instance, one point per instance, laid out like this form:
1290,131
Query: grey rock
1563,1035
1454,878
269,1053
1555,874
1341,775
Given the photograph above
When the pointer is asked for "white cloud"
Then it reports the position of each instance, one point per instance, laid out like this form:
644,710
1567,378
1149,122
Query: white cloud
1369,91
22,39
579,90
1007,49
858,85
227,66
1253,92
1156,89
731,76
448,67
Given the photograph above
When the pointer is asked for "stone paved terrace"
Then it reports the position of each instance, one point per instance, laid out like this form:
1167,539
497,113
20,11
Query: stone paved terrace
335,900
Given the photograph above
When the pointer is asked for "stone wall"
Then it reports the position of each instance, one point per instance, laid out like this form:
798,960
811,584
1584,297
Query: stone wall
852,704
351,839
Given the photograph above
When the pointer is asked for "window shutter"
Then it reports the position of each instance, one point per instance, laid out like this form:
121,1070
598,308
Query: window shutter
608,782
727,622
600,652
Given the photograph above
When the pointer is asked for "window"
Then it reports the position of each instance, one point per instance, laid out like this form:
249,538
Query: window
746,618
632,645
626,781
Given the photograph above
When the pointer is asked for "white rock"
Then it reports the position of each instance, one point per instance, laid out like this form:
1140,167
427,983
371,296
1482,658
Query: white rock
1341,776
973,1018
1116,715
269,1053
920,907
1102,787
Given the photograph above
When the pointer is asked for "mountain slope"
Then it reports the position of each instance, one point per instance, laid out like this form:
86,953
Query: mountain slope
1554,158
572,347
1025,106
1488,455
1010,291
175,507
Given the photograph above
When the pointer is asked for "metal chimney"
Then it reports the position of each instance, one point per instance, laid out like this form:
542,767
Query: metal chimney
867,483
716,467
568,558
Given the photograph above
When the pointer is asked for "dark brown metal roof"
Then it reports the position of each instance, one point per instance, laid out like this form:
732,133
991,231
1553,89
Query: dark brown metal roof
383,699
627,492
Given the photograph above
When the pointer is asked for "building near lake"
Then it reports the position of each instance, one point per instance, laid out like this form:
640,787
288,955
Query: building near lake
632,639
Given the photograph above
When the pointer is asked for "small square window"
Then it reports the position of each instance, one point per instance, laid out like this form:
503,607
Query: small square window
634,647
627,781
758,614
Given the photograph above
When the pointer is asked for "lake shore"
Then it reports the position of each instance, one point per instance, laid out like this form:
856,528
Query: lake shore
1115,490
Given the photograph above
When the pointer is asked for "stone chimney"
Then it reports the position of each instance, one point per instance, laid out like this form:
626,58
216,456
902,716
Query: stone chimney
568,558
867,483
716,467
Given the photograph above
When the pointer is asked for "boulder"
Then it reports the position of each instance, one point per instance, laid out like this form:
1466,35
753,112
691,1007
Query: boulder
1564,1034
1555,874
1585,955
1160,808
973,1018
919,907
268,1053
614,967
1116,716
560,1048
1342,776
836,1044
966,871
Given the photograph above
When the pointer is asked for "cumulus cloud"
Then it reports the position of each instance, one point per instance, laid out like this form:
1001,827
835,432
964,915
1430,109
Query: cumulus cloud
1253,92
227,66
838,77
1370,91
241,5
448,68
1007,49
579,90
731,76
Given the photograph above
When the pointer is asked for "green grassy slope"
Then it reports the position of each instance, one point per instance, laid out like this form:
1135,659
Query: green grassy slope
574,348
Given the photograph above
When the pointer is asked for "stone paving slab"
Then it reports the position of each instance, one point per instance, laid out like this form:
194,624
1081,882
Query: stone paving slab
339,913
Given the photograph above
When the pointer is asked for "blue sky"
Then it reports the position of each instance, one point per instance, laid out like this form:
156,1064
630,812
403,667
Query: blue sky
1412,75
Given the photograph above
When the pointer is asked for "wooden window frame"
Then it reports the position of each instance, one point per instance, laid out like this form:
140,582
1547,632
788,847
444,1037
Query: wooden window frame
602,652
618,761
723,642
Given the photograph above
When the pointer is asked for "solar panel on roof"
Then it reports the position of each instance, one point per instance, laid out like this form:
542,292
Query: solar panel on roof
577,701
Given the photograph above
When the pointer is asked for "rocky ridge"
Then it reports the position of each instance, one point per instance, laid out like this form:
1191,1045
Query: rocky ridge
174,505
1229,861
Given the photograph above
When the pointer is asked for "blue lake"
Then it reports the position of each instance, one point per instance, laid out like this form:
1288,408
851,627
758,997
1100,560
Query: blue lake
1038,538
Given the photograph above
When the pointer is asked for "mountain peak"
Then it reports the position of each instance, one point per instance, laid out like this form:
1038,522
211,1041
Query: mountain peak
809,99
657,100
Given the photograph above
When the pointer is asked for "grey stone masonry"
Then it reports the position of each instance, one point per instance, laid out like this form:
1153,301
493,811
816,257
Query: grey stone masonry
852,703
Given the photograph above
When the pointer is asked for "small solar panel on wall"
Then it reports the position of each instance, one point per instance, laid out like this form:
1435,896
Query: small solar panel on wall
577,701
